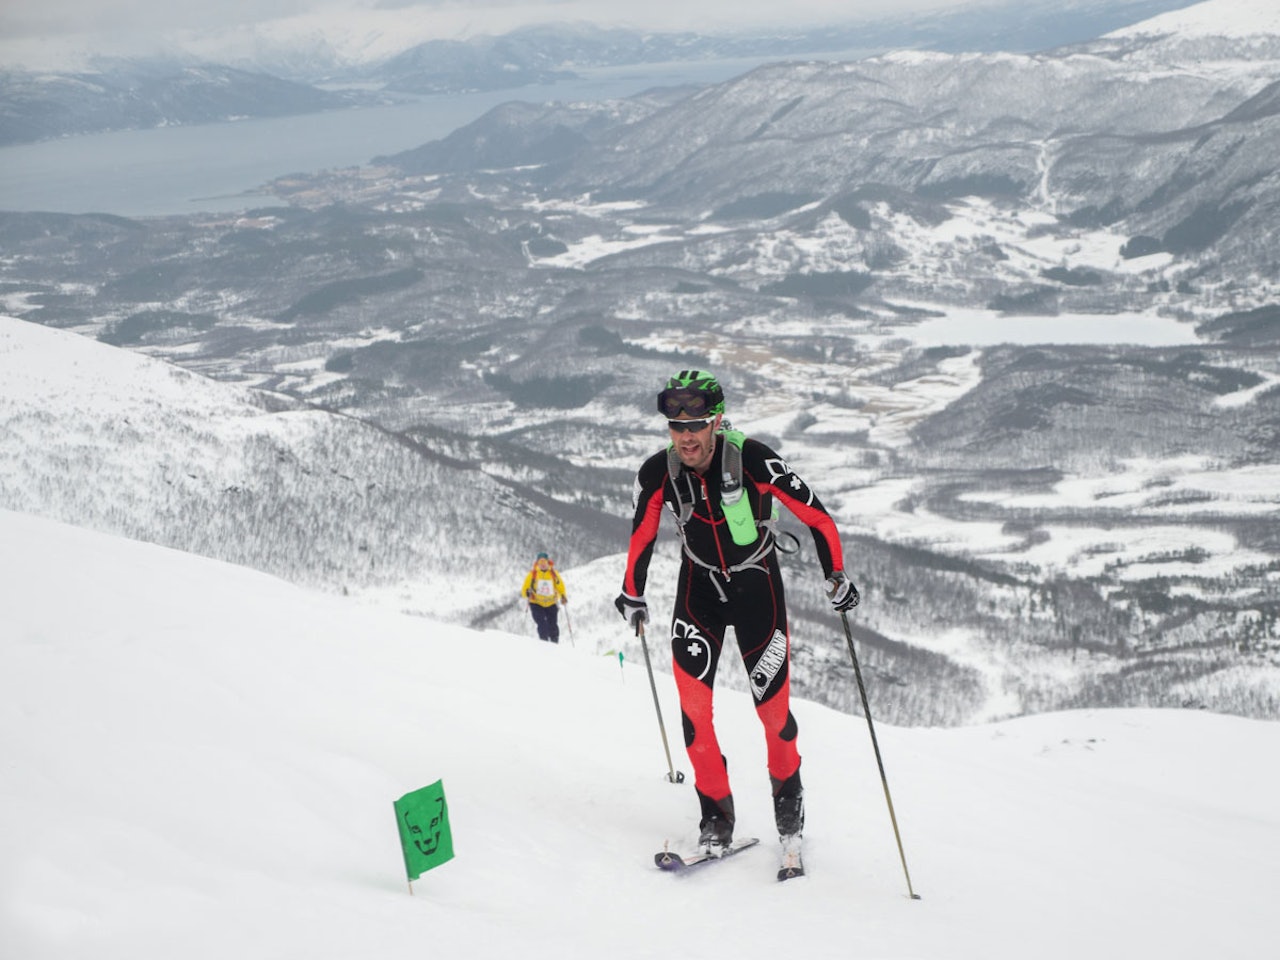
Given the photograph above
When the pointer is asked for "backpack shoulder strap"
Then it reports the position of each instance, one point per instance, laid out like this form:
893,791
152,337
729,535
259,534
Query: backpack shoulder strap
731,465
735,506
730,484
683,491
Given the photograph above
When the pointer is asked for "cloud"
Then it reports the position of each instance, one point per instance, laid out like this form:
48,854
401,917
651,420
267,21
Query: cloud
73,34
35,18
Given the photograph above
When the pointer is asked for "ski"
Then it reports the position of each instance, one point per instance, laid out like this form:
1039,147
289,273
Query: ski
791,870
675,863
792,864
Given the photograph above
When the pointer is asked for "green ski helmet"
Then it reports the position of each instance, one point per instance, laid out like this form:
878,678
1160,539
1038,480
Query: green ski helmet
694,392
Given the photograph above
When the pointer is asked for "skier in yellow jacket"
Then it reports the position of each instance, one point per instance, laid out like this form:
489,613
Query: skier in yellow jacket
543,587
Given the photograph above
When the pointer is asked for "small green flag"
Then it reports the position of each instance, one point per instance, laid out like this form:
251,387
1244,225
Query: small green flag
423,819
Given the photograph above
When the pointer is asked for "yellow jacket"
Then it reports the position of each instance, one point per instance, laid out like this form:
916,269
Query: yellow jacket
543,587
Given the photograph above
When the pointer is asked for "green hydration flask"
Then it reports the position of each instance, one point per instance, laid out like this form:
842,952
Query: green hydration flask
734,502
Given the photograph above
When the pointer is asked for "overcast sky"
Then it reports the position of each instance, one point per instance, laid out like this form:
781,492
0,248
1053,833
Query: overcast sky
456,18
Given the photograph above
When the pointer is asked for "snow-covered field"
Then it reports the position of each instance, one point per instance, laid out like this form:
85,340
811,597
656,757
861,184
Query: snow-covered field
200,760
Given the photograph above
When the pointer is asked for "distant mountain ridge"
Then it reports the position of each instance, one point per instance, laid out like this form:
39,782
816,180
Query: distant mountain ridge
129,96
1103,135
281,69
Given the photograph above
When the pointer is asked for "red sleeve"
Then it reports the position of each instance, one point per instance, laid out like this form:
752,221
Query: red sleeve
825,535
781,481
647,500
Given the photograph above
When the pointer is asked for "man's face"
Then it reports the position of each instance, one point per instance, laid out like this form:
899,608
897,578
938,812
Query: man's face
696,446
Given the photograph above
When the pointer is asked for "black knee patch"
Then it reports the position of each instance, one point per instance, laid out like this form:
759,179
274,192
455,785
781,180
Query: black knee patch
789,729
688,730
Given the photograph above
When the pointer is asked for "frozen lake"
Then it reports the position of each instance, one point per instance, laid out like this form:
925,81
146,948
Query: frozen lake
984,328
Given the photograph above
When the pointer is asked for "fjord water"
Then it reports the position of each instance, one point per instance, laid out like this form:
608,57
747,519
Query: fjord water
223,166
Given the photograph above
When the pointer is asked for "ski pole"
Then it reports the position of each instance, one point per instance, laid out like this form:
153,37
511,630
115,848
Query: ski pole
866,709
673,775
568,622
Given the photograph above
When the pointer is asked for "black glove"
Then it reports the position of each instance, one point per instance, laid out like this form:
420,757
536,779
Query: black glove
842,592
633,609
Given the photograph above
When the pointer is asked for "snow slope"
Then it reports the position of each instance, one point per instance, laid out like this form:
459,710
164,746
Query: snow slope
1212,18
1226,39
200,760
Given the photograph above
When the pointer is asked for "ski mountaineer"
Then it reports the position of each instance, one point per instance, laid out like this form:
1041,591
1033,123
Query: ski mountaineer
721,486
543,587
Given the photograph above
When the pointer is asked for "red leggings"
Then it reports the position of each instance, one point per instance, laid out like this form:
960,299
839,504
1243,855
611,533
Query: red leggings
754,605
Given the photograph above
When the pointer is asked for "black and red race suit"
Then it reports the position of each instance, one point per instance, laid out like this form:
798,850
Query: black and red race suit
723,584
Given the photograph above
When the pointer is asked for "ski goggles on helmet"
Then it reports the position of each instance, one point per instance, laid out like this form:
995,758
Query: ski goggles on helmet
688,400
692,426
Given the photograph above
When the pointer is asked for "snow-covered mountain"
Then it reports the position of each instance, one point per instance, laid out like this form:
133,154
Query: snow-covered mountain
1165,142
130,95
1206,21
1213,38
200,762
335,40
1014,316
134,79
107,439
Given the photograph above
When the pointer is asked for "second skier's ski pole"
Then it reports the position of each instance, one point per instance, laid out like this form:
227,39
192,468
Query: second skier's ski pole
569,623
673,775
866,709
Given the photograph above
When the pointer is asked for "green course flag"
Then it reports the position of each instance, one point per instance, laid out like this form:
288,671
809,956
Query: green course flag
423,818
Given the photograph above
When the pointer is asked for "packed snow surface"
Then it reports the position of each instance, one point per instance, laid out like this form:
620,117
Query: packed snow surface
200,761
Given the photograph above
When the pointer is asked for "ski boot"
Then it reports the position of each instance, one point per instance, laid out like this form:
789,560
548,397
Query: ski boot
715,831
788,813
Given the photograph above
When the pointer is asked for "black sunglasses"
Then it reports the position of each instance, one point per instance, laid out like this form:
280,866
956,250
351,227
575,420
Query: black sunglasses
688,400
691,426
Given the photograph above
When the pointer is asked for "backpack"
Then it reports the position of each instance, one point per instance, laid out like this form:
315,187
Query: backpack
533,575
736,506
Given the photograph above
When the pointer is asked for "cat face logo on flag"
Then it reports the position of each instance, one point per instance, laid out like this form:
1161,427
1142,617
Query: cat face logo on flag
425,837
